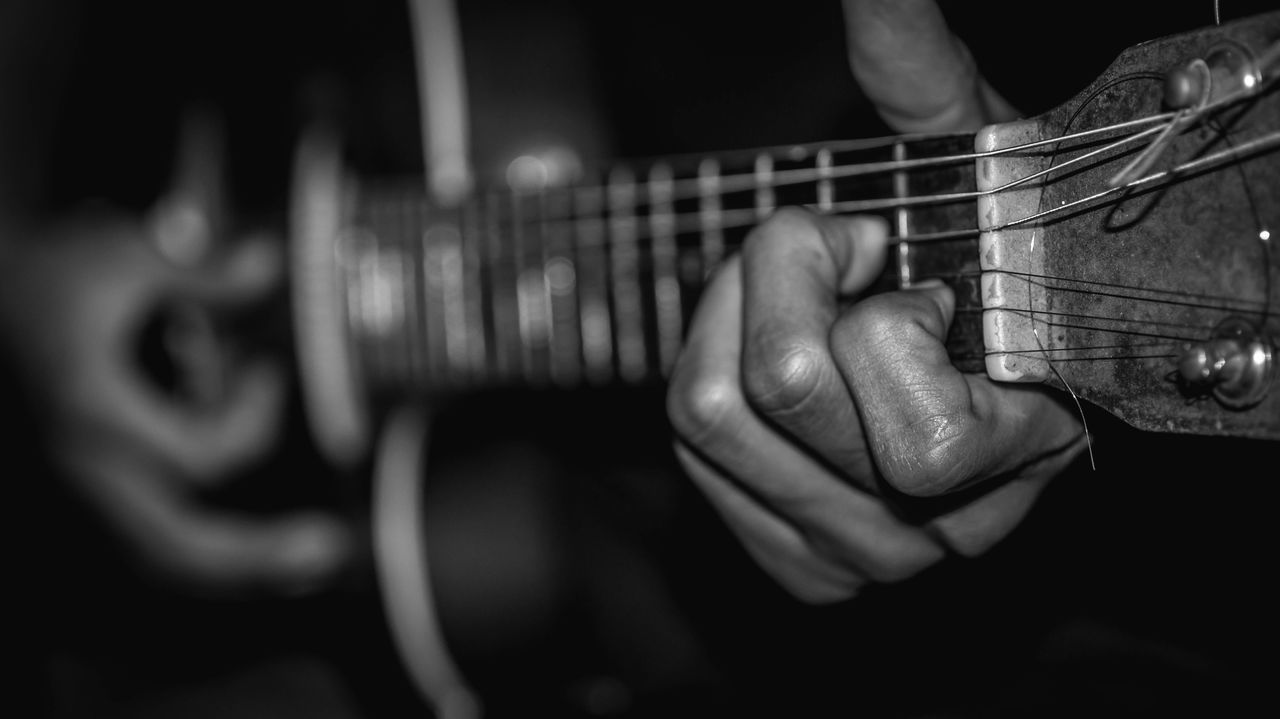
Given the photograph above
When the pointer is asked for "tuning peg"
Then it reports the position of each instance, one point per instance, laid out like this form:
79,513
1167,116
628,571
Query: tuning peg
1235,365
1188,85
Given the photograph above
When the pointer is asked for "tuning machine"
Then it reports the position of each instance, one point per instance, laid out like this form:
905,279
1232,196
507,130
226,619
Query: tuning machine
1234,365
1227,71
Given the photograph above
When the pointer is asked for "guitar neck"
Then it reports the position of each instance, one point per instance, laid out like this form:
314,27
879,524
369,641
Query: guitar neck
594,283
1126,259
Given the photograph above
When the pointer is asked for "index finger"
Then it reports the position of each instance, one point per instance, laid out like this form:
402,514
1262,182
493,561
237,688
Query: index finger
797,269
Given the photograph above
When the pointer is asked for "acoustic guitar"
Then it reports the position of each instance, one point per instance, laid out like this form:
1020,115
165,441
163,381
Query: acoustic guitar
1117,247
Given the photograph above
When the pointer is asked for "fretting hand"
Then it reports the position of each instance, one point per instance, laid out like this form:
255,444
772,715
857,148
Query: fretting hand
799,411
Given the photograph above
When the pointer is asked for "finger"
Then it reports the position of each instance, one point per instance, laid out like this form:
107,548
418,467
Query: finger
202,550
796,268
202,443
710,413
238,275
187,219
919,75
774,544
937,429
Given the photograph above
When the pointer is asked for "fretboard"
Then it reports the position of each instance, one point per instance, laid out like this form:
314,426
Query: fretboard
594,284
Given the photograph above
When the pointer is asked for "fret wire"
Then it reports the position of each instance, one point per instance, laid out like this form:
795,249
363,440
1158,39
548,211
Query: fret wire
410,215
628,316
504,312
448,262
668,310
523,304
380,318
826,190
473,291
561,271
901,219
710,220
593,283
765,196
535,293
434,334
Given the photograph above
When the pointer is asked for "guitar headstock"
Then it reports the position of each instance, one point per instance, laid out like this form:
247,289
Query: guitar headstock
1127,236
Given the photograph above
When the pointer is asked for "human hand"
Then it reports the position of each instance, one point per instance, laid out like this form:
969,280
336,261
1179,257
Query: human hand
77,297
804,410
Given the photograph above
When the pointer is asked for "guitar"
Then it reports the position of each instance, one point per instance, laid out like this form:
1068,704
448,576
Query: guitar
1117,247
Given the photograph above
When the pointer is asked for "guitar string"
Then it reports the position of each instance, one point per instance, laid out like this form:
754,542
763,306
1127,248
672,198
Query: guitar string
644,257
1243,306
1261,143
639,228
1213,304
1137,327
688,188
676,224
685,189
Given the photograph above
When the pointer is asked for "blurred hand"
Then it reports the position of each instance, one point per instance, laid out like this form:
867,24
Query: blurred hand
76,298
799,411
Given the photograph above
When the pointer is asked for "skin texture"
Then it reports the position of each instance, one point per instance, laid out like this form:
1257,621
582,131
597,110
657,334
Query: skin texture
810,416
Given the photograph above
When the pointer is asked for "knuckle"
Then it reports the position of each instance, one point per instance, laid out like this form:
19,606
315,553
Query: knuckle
785,381
702,407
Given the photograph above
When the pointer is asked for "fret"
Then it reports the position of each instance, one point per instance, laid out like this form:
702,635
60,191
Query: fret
442,262
593,284
381,303
901,217
532,297
432,326
504,313
625,267
710,213
560,279
409,220
473,294
351,269
826,191
766,197
954,261
666,284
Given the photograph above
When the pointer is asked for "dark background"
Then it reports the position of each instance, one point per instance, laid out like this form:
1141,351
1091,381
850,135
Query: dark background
579,573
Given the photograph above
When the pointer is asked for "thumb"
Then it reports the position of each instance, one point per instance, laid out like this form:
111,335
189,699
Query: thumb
919,75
